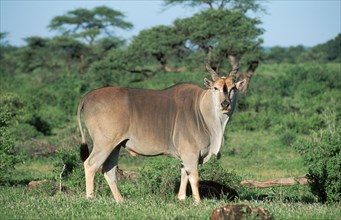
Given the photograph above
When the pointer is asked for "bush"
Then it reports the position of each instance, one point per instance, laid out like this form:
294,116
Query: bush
162,174
70,167
213,171
10,109
159,176
291,100
287,137
322,154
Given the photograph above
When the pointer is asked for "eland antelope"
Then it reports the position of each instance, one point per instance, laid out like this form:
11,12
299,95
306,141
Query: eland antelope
184,121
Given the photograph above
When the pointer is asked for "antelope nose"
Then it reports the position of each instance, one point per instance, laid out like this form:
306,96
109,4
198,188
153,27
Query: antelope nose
225,104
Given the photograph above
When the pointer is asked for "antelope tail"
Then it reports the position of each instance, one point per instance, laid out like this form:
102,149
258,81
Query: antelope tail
84,150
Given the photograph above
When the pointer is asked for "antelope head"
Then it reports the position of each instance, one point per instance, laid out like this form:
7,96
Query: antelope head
224,88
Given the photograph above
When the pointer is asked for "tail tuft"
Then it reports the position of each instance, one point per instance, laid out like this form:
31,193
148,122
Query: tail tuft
84,151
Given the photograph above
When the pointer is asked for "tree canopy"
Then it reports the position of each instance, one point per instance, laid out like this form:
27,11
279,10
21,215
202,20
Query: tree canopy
230,33
236,5
89,24
159,42
329,51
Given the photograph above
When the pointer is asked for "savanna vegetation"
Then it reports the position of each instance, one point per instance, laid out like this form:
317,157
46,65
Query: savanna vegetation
286,125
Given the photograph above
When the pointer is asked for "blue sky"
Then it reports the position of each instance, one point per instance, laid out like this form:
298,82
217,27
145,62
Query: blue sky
287,22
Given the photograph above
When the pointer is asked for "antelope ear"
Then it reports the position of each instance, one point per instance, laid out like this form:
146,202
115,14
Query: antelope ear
242,85
208,83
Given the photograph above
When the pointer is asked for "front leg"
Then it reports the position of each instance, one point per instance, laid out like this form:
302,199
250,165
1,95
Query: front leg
190,163
183,184
194,181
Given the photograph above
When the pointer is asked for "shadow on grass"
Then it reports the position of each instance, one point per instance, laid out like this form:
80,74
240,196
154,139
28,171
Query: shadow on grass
211,190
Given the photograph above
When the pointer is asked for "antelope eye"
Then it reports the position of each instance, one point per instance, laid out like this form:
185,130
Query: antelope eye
215,88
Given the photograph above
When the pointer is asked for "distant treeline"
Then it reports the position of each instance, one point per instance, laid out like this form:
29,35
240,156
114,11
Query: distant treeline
87,43
111,54
326,52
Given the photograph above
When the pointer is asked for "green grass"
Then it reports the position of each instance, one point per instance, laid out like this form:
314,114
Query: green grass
37,168
251,154
28,205
19,203
260,155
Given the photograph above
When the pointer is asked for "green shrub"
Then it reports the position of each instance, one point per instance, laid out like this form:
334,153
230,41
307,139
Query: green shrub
322,154
10,110
67,159
69,167
287,137
291,98
161,175
214,171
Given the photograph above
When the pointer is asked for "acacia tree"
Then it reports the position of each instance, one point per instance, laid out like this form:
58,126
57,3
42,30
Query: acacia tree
70,50
237,5
148,54
3,36
7,60
90,24
224,27
160,42
33,56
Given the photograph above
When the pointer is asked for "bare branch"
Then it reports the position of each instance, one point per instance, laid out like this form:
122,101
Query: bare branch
223,3
209,2
61,177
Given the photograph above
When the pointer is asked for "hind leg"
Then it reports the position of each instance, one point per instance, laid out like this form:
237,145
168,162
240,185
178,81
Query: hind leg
109,167
183,184
100,153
